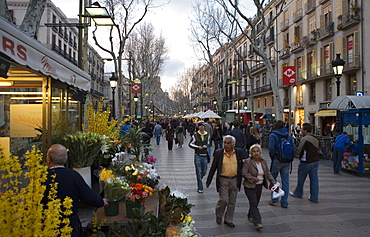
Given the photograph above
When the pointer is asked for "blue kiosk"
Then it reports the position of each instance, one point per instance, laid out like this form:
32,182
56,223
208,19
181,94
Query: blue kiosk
354,118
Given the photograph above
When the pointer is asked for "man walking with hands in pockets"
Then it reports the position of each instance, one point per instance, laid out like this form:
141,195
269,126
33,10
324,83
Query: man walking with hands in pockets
228,162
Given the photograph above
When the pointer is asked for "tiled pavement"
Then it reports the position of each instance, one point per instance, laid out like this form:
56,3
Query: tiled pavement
343,208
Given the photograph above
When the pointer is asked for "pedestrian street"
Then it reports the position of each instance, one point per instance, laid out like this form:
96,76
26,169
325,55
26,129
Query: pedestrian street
343,208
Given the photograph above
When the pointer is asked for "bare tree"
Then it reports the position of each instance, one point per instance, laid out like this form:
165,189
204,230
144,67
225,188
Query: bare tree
127,16
230,6
32,18
207,36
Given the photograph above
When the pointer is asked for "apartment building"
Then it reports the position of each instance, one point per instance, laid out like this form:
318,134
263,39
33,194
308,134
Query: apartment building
307,35
62,38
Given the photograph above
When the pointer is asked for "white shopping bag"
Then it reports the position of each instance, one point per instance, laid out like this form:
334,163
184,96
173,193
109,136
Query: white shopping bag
278,193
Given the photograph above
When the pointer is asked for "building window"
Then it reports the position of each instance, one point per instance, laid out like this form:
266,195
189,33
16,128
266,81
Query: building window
299,69
312,93
264,102
299,94
258,103
351,85
272,101
328,90
327,65
264,79
350,49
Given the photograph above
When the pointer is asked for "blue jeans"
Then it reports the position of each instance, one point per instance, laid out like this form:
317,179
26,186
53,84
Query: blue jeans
337,160
284,168
200,163
310,169
218,144
158,137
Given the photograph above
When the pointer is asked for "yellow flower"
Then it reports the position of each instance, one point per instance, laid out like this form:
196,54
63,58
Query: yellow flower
21,211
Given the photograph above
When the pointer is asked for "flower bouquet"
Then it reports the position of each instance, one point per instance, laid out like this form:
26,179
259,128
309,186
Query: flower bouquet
136,173
83,148
139,192
115,189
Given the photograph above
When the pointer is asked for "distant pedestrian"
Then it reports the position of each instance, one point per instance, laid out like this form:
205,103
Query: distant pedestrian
149,134
256,174
157,131
308,152
252,138
170,134
200,141
228,163
217,136
327,130
180,133
191,128
278,166
339,147
209,129
125,128
241,140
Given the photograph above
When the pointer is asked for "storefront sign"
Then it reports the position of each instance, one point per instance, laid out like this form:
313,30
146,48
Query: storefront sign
28,52
24,119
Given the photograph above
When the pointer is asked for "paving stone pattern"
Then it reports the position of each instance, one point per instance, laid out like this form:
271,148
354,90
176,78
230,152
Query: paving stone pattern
343,208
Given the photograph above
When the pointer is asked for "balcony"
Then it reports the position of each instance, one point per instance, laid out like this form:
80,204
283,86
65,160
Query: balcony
61,32
284,53
310,6
309,40
324,31
297,16
55,48
296,47
270,39
260,90
321,2
284,25
257,68
350,19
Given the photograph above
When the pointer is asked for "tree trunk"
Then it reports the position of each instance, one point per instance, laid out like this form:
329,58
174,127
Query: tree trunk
4,11
31,20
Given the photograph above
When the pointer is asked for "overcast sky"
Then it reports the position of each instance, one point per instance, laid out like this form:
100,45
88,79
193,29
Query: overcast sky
172,20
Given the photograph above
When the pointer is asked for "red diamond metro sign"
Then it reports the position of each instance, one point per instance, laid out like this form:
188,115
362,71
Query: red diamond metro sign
289,75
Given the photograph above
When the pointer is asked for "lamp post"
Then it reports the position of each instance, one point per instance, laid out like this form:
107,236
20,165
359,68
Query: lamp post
215,104
113,84
136,99
338,65
146,110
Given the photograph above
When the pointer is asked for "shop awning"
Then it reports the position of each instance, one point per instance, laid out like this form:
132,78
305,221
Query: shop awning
326,113
30,53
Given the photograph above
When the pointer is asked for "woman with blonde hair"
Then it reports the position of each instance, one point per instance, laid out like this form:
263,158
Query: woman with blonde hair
256,174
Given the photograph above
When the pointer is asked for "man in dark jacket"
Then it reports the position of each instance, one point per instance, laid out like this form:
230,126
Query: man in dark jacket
228,162
308,152
241,140
278,166
200,141
70,184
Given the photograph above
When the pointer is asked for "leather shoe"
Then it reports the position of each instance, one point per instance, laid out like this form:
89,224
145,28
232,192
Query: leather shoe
218,220
259,226
250,219
229,224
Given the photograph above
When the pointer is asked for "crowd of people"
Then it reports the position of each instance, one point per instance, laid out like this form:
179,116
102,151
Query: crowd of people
237,160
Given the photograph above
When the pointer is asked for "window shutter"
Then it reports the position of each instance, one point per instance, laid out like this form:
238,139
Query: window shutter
356,49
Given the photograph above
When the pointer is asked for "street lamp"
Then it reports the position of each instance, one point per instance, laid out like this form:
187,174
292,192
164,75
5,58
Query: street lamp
136,99
113,84
100,15
338,65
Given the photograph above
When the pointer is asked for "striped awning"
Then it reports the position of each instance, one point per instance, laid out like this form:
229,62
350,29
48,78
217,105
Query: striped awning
326,113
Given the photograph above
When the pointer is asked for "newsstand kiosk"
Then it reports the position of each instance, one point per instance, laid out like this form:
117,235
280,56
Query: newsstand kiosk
357,124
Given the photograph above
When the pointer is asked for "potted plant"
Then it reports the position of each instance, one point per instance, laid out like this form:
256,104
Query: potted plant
134,139
137,197
83,148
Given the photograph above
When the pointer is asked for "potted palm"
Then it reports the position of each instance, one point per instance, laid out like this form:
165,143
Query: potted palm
83,149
